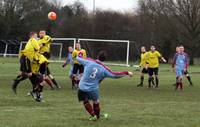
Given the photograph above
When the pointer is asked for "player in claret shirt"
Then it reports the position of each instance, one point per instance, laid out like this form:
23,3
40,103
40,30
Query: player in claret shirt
180,64
94,72
186,73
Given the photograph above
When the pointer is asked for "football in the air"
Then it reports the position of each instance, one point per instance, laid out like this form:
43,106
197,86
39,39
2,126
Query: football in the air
52,16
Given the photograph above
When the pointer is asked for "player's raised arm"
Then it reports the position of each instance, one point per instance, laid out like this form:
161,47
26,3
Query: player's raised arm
161,57
65,62
111,74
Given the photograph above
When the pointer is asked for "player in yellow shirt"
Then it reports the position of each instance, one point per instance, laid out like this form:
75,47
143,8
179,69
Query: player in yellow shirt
26,57
144,70
153,57
78,68
29,55
45,42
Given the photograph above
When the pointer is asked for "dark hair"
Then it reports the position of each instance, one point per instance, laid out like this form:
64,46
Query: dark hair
181,46
42,30
32,33
101,56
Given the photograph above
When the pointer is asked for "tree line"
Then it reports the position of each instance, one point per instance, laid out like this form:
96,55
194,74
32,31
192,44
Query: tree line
165,23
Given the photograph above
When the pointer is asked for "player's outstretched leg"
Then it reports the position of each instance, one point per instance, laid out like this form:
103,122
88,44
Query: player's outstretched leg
49,82
52,79
17,81
90,110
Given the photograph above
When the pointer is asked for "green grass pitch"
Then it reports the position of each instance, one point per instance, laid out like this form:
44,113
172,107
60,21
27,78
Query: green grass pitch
127,105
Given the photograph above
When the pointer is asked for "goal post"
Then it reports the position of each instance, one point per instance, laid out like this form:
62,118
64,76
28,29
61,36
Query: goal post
65,43
109,45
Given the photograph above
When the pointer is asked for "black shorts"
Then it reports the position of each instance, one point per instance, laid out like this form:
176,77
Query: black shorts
43,68
25,64
153,71
88,96
78,68
144,70
47,55
36,79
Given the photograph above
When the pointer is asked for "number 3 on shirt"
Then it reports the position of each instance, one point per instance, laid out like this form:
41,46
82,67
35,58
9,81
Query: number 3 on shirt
94,73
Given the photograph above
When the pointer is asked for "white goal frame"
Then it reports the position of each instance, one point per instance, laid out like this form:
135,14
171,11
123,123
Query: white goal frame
5,54
117,41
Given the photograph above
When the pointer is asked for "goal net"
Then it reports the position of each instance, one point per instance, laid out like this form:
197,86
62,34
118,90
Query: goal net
117,50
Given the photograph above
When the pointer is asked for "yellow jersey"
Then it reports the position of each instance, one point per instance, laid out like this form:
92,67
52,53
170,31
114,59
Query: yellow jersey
81,53
46,44
35,67
153,59
143,60
32,47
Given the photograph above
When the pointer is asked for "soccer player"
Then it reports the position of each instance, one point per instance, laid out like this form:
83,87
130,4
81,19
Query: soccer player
78,68
37,79
69,60
26,57
94,72
142,65
186,73
179,65
153,57
46,41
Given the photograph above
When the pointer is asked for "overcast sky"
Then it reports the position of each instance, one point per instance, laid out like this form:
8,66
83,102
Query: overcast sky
119,5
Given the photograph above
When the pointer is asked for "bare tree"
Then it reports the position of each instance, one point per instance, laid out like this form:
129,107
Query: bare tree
183,15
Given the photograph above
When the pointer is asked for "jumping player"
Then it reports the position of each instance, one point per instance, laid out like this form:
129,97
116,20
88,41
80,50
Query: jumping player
179,65
94,72
45,42
142,65
153,57
26,57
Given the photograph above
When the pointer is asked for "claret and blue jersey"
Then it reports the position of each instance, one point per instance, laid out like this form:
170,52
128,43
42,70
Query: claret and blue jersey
180,61
94,73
